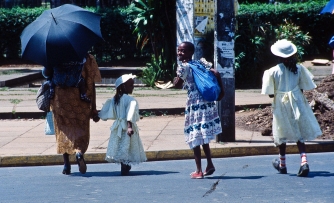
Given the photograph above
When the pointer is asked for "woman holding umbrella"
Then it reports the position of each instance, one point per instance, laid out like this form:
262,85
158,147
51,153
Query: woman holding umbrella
62,35
72,116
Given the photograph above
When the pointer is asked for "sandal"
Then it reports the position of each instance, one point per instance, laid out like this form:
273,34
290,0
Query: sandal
81,162
209,172
67,170
195,175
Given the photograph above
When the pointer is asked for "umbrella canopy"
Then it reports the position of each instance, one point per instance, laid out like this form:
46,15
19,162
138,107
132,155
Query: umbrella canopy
329,8
62,34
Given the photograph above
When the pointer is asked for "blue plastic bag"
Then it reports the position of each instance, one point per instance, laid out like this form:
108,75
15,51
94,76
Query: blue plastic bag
49,127
206,82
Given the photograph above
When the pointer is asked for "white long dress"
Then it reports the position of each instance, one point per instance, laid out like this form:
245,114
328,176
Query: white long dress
293,119
122,148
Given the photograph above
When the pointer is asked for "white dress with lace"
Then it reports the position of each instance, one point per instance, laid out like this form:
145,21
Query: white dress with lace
293,118
122,148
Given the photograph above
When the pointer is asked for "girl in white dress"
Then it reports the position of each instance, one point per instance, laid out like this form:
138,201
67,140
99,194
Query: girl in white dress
293,119
125,146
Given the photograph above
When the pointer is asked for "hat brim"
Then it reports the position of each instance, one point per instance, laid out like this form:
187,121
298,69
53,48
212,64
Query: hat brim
283,55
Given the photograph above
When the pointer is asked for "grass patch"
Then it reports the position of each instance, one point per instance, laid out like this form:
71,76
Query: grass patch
4,89
31,90
9,72
15,101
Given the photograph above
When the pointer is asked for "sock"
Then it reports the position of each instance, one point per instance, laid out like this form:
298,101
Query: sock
304,159
282,161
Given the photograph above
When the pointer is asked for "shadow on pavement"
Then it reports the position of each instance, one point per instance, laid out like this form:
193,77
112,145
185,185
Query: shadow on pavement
118,173
313,174
236,177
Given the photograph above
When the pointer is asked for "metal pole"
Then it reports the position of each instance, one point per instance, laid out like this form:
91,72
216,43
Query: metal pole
224,63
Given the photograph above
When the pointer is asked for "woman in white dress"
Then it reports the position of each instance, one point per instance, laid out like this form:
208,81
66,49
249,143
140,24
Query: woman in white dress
125,146
293,119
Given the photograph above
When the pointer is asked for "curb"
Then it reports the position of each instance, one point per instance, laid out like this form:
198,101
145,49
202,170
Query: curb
156,112
91,158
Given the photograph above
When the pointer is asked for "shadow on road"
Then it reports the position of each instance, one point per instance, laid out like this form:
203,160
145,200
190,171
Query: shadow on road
118,173
236,177
313,174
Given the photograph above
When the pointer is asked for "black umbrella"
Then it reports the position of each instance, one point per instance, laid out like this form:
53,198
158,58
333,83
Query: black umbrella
62,34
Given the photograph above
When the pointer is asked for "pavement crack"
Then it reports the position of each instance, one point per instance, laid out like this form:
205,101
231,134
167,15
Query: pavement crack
214,186
156,138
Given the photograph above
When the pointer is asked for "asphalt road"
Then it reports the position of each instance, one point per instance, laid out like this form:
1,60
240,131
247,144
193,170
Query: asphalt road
240,179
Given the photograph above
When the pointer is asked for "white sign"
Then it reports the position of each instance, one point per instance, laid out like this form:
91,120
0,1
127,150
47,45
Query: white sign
226,49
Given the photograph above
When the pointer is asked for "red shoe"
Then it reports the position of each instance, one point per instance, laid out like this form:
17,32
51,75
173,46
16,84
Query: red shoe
195,175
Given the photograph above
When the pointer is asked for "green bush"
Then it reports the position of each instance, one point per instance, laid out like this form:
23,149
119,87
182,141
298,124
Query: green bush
256,25
116,27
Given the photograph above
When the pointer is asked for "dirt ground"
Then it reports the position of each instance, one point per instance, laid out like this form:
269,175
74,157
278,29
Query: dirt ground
321,100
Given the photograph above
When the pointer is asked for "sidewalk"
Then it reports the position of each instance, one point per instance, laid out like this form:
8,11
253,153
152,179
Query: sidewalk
22,141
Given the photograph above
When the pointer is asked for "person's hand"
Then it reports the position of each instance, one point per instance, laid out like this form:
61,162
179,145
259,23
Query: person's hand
130,131
95,116
178,83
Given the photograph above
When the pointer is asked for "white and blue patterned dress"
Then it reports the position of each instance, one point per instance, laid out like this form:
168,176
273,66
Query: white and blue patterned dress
202,122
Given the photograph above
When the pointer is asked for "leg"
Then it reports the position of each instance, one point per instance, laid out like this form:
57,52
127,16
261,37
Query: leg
279,165
304,167
125,169
81,162
197,154
67,164
210,169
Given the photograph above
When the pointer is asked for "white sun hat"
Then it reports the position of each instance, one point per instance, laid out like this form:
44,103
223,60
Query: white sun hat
123,79
283,48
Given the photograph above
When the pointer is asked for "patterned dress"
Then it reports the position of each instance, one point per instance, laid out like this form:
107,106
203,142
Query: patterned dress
71,115
202,122
293,119
122,148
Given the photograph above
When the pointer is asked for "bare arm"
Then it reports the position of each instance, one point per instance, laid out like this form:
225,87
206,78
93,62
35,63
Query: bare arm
130,130
178,82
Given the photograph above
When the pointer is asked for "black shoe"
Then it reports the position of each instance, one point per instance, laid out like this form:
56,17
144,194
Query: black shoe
67,169
125,169
81,163
278,168
84,98
128,167
304,170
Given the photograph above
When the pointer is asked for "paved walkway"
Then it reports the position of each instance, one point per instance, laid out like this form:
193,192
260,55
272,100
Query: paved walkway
22,141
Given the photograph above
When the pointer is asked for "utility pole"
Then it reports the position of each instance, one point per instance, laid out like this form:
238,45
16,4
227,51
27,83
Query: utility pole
224,64
184,17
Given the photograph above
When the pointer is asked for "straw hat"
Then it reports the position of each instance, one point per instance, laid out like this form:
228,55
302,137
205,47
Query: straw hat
283,48
123,79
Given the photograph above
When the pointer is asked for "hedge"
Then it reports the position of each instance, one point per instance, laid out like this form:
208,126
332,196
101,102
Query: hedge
254,35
